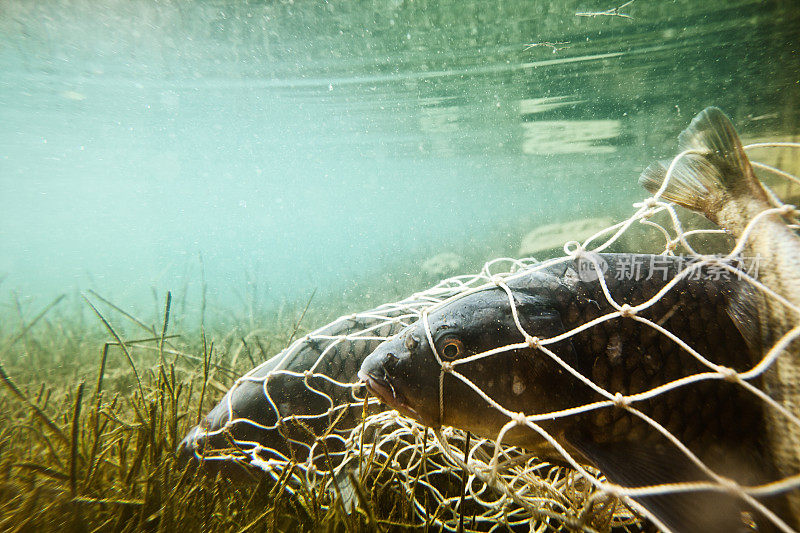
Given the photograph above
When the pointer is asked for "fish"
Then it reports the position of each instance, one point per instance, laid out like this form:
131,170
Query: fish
282,408
484,362
714,177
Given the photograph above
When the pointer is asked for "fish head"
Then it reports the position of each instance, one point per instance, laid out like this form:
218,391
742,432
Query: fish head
467,364
396,372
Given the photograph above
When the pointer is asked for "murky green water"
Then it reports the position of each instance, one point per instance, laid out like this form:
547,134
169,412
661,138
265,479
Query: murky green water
301,145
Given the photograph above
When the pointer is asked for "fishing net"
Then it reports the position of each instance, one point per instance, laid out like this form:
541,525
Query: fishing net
321,431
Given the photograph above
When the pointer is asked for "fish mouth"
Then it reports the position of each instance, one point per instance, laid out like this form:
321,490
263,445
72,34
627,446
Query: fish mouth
383,389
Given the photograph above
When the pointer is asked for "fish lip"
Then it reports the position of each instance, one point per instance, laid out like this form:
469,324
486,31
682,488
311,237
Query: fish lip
388,394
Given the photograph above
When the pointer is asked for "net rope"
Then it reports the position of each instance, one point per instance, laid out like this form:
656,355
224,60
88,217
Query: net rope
501,484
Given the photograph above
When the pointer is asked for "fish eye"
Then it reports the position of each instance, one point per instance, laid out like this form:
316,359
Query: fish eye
452,348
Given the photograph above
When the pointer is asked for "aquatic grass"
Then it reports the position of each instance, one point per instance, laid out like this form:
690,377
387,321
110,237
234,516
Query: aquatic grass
90,420
120,343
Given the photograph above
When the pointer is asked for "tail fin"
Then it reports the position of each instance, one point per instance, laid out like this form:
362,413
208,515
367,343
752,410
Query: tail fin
709,175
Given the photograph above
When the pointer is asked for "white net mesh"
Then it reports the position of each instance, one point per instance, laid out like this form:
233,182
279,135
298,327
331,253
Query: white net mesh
298,417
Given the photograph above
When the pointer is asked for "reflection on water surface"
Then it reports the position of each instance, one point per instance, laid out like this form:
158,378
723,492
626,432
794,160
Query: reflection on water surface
314,145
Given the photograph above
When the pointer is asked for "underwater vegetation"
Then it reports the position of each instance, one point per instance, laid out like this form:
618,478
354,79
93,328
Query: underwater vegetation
90,419
94,401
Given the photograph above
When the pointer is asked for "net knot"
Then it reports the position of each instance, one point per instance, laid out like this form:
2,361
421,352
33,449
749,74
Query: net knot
672,245
519,418
620,400
573,249
533,342
447,366
729,374
787,210
307,374
615,491
730,486
493,472
497,280
649,203
626,311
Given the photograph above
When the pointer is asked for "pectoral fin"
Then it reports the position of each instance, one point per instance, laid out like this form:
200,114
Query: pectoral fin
744,302
633,464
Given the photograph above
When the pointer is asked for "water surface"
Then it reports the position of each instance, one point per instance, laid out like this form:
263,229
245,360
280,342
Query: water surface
302,145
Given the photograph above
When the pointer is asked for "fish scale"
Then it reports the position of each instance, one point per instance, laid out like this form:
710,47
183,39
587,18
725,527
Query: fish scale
628,365
718,420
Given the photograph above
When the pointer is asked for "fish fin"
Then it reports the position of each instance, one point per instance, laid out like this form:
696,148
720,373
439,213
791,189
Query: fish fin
744,302
711,132
685,187
716,169
635,464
